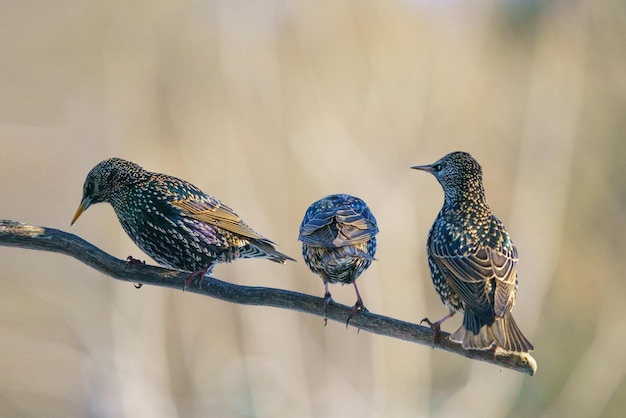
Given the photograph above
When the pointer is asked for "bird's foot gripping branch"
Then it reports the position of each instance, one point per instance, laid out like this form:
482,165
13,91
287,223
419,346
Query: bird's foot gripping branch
15,234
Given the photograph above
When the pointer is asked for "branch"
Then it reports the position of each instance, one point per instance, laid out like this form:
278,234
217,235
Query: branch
15,234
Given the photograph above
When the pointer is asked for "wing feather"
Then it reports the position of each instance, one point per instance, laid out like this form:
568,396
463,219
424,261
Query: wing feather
337,228
214,212
471,273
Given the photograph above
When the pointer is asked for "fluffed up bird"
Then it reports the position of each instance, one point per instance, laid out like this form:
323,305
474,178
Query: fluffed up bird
172,220
338,235
472,259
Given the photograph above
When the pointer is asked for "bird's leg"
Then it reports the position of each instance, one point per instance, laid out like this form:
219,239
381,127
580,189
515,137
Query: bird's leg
131,260
436,326
327,299
358,306
198,273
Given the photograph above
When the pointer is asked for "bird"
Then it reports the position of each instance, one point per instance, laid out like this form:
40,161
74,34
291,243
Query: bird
472,260
338,235
173,221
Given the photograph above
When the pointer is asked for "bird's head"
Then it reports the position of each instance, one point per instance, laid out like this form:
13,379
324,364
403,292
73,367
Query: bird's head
458,173
104,182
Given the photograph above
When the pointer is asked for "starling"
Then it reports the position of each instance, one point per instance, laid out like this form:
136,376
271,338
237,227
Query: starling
472,259
172,220
338,235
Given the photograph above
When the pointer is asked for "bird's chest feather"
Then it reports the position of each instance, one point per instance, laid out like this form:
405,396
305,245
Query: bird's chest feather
458,232
159,231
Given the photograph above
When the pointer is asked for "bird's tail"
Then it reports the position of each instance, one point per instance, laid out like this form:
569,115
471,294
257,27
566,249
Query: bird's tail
508,336
504,333
261,249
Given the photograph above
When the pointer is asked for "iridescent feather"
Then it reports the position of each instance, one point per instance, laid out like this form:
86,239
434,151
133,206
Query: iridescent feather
472,259
171,220
338,235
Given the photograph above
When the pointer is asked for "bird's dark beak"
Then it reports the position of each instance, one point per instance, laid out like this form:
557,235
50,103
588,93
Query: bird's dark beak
428,168
84,204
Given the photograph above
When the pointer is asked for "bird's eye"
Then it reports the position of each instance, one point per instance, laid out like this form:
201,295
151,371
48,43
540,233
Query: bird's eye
437,167
89,188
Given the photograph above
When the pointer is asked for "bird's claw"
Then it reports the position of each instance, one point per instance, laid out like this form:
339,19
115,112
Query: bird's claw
192,276
436,327
327,299
430,324
358,306
131,260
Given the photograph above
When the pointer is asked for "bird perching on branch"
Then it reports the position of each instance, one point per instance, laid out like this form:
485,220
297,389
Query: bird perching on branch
172,220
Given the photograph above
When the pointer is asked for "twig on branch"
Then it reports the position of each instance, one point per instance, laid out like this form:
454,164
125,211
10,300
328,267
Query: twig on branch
15,234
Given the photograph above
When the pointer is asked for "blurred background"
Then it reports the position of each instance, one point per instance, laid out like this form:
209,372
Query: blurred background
270,105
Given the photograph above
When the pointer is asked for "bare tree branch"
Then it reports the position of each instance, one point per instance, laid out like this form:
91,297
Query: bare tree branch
15,234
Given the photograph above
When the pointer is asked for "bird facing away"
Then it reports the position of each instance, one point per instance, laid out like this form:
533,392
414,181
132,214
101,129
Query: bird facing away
472,259
338,235
172,220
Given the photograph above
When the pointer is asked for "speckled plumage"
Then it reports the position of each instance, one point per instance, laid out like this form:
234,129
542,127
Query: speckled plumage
338,235
472,259
171,220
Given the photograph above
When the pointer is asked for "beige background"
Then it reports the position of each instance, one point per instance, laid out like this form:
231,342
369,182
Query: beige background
270,105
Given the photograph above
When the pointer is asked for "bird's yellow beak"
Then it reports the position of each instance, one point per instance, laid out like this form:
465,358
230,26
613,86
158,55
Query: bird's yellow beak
428,168
84,204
